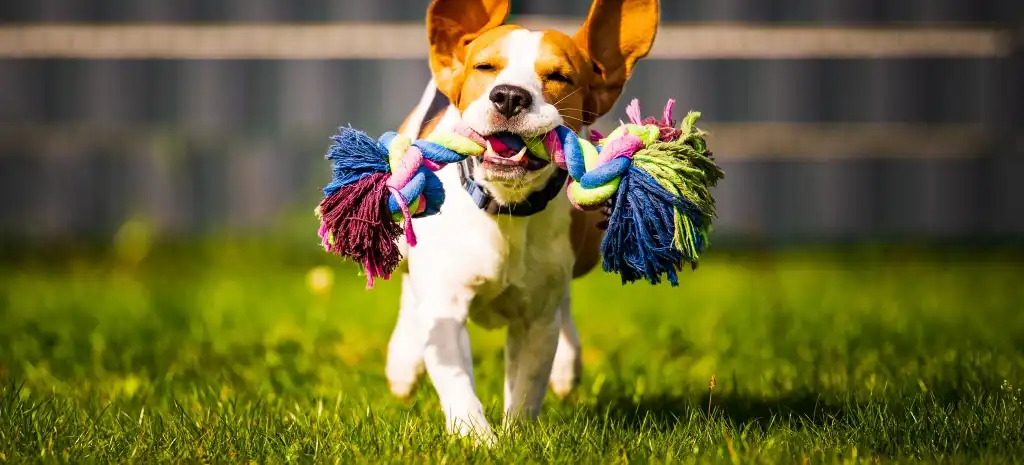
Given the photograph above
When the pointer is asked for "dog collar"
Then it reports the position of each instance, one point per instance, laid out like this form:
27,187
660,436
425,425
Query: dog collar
534,203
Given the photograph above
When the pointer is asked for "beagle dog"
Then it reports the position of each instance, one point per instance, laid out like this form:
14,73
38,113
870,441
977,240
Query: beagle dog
507,243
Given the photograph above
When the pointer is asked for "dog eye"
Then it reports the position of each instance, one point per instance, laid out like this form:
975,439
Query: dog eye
484,67
556,76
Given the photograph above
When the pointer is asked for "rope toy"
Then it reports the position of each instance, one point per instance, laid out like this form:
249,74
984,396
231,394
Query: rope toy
651,178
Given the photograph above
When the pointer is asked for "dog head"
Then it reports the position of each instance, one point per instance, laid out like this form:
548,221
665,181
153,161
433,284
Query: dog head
505,79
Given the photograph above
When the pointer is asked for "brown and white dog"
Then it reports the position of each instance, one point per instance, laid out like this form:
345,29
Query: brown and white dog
502,270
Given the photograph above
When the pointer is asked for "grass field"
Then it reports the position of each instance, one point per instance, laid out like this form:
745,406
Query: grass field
239,352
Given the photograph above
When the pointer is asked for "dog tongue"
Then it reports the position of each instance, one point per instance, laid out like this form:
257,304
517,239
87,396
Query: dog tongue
506,145
503,156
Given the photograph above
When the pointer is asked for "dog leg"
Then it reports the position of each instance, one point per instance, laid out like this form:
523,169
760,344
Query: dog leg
450,368
565,372
405,349
511,367
531,349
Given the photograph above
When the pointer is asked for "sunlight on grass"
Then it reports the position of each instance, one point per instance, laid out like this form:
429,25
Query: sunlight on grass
250,352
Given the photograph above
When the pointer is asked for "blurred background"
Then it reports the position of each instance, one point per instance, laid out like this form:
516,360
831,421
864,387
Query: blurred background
160,161
835,121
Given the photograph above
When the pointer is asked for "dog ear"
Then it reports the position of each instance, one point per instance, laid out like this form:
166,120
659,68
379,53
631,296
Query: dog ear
451,26
615,35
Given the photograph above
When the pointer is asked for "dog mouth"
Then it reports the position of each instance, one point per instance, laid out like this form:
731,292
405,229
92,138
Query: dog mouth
508,153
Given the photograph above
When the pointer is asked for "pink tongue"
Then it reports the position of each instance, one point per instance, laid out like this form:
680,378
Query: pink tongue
500,148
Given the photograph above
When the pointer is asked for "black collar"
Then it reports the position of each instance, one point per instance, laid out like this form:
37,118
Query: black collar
535,203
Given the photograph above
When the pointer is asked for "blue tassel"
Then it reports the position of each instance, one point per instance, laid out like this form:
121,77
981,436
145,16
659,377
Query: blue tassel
354,155
638,243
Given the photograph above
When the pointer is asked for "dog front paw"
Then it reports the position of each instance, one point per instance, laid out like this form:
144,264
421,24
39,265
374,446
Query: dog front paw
473,427
401,389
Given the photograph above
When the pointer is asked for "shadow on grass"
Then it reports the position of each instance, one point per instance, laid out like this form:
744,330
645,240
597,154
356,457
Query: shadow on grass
807,408
798,408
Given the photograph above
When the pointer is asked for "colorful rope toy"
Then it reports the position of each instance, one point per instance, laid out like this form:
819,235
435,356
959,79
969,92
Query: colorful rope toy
653,177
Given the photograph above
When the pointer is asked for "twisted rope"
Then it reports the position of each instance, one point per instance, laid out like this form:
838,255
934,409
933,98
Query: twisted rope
654,178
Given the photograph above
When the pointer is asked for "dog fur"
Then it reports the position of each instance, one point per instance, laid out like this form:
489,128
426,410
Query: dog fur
504,271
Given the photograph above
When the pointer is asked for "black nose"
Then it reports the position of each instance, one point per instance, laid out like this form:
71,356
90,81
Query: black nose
510,100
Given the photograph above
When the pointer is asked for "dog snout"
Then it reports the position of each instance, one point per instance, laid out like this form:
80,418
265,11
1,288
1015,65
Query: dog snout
510,100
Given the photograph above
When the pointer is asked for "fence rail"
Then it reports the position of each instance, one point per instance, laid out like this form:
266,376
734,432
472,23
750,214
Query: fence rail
407,40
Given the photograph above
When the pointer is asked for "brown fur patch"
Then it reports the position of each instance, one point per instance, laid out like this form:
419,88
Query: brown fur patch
586,238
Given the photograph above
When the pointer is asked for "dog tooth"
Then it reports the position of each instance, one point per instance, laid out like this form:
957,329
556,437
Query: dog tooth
518,158
489,153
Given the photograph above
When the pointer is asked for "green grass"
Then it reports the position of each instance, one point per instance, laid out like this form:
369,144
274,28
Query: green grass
226,353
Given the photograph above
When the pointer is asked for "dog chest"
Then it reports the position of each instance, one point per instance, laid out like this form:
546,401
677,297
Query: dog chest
529,274
507,267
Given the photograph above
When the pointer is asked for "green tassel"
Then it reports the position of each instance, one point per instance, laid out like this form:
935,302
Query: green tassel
684,168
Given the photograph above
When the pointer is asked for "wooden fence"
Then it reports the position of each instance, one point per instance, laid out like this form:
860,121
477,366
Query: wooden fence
842,119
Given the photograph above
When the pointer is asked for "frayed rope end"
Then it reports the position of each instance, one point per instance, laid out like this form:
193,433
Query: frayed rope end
355,223
661,215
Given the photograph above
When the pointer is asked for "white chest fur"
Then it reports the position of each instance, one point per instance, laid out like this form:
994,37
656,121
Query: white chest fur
496,271
508,267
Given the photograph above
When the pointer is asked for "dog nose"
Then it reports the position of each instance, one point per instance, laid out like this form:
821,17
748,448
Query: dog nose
510,100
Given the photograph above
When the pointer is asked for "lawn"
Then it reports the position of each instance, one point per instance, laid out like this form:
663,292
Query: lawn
237,351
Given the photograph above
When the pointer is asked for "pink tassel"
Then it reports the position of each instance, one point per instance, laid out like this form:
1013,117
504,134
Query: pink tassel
324,233
667,116
410,235
633,112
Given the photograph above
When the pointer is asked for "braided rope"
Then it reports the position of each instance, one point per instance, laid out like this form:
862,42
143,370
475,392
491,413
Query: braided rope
672,169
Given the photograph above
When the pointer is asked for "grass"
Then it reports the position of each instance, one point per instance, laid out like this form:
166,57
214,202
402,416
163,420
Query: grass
240,352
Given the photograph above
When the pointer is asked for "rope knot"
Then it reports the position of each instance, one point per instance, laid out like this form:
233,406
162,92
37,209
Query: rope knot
652,178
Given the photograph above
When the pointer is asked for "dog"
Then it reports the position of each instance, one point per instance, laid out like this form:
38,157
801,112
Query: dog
507,243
